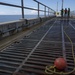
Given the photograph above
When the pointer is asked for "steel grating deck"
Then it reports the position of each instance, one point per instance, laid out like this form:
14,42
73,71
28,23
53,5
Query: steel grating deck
31,54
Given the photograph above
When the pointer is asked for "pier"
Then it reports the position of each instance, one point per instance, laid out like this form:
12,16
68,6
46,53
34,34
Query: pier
28,46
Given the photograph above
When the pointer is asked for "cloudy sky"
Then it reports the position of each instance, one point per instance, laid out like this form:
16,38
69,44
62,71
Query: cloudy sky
6,10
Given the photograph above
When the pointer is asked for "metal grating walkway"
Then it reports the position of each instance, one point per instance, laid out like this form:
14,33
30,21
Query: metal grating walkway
33,53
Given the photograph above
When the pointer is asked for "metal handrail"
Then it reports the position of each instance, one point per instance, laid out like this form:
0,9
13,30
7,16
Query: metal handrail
22,7
43,5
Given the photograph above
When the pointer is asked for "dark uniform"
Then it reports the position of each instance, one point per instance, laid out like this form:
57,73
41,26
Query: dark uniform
68,16
65,12
68,12
62,13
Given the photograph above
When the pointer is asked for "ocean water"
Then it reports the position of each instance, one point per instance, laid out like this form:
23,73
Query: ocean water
7,18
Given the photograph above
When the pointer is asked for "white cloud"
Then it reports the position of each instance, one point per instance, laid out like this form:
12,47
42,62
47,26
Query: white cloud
33,12
17,12
10,13
2,13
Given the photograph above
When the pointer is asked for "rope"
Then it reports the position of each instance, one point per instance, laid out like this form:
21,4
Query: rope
52,69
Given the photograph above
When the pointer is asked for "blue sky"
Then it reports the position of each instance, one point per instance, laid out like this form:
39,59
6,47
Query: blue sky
6,10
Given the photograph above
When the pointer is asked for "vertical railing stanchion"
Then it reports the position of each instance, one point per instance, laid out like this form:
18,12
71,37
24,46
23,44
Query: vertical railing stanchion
22,3
45,11
48,11
38,10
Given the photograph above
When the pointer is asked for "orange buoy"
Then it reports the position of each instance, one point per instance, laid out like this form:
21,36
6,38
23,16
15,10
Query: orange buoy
60,63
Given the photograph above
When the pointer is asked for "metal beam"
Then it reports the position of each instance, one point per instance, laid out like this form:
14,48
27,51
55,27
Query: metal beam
39,2
43,4
22,9
7,4
48,11
38,10
45,11
12,5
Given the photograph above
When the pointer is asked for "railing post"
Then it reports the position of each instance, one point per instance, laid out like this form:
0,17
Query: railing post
22,9
38,10
48,11
45,11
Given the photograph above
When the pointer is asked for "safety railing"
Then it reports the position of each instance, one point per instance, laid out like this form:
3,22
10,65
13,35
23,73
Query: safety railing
10,28
50,10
